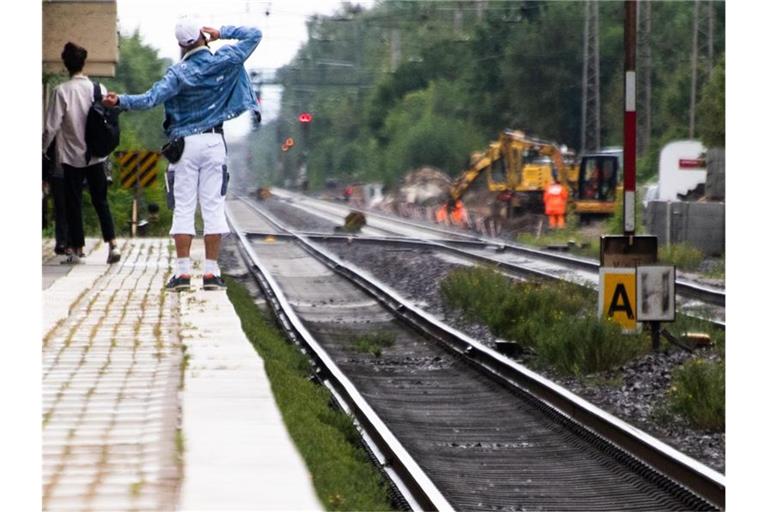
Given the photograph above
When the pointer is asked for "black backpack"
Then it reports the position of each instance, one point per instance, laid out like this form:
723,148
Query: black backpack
102,131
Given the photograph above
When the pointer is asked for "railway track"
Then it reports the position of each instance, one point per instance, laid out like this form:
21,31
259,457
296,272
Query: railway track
454,424
693,299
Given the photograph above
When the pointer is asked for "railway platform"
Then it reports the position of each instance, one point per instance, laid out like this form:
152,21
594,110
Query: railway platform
154,400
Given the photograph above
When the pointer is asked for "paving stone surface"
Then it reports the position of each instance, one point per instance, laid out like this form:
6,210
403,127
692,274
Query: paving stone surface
53,268
111,365
238,454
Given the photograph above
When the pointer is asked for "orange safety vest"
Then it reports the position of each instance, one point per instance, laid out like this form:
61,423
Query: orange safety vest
459,214
442,214
555,199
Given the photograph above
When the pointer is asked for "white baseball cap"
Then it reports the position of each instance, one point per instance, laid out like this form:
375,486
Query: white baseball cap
187,31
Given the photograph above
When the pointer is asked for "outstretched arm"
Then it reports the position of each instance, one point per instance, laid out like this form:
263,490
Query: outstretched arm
163,89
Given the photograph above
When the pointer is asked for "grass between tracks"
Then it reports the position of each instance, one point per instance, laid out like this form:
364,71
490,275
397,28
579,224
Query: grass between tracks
698,393
343,476
557,321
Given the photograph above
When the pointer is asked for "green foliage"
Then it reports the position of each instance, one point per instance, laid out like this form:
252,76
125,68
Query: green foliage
139,67
711,108
584,345
557,321
684,256
509,65
373,343
342,474
422,132
698,393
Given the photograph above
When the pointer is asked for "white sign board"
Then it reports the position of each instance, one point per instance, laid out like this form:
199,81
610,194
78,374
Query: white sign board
655,285
675,178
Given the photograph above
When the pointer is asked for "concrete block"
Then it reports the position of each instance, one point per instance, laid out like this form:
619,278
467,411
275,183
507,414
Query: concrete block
699,224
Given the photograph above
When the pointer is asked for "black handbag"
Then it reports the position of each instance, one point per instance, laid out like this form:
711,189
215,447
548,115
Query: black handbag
173,150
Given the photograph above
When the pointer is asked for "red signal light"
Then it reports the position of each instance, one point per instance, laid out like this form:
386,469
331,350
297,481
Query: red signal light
305,117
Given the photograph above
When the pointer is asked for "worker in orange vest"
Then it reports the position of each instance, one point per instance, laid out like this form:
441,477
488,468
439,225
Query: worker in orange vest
555,200
459,214
441,215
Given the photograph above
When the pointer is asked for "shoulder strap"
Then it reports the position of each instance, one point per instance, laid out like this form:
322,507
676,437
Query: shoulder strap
96,91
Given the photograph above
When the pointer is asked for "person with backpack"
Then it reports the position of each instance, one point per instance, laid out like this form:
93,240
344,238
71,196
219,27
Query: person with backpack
68,112
199,93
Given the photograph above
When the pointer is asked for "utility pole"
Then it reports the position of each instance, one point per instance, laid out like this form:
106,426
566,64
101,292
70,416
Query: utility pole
702,54
644,76
590,84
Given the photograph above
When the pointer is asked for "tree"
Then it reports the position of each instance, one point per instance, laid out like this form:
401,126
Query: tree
711,108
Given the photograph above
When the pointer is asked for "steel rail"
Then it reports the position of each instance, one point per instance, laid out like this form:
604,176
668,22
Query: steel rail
620,437
450,246
402,470
685,288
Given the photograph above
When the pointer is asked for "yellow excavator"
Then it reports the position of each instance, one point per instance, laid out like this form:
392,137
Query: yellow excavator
518,165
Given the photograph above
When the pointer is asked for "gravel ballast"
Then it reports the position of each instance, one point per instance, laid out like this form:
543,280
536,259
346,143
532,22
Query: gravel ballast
633,392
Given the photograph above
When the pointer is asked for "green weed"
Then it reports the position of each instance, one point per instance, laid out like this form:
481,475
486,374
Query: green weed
683,256
585,345
717,271
180,446
374,342
342,474
698,393
556,320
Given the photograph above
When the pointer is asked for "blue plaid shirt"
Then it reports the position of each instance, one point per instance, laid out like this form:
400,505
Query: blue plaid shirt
204,89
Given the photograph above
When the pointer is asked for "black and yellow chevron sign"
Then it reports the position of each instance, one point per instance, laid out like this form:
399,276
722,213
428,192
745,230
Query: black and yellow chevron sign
137,167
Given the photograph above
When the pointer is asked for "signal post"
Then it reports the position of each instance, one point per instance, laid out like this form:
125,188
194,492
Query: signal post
633,287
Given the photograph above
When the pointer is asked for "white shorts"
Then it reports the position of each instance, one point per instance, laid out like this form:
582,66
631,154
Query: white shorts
198,175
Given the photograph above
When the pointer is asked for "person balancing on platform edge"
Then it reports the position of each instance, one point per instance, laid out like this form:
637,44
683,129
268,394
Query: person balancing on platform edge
199,93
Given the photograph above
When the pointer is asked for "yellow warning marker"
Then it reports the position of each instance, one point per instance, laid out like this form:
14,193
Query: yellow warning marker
618,297
137,168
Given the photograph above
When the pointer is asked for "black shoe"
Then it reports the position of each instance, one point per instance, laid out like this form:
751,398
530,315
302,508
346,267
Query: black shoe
178,283
60,250
212,282
114,255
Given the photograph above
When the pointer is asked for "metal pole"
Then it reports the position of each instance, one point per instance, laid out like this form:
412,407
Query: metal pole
655,336
694,71
584,80
630,114
134,216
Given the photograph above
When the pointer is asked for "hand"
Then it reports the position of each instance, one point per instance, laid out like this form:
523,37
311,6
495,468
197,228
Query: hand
213,34
110,100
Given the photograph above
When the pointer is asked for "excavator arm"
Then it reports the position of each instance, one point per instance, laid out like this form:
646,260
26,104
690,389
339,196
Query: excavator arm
484,162
503,164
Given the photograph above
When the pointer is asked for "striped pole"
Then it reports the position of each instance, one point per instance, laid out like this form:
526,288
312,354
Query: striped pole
630,114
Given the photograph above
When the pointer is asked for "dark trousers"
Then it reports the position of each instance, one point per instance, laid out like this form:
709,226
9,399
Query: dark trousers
97,186
58,192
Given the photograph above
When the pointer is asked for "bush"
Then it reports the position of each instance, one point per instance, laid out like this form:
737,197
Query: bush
557,321
582,345
698,393
684,256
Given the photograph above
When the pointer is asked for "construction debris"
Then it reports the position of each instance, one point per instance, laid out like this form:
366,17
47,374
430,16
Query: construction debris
353,223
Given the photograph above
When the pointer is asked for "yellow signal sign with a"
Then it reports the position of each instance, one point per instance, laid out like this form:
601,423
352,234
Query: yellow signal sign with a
618,297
